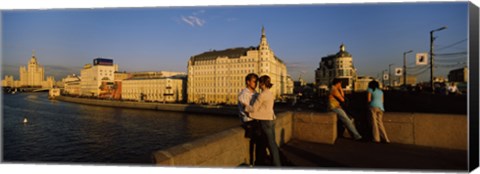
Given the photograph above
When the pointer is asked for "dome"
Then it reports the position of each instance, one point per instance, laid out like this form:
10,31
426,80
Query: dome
342,52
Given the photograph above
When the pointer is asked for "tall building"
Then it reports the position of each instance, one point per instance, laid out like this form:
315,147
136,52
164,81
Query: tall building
338,65
33,75
218,76
92,76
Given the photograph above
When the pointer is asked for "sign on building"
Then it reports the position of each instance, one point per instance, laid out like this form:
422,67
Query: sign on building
398,71
385,76
421,59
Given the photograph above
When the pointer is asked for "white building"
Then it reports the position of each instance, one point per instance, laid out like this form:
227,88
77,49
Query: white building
102,70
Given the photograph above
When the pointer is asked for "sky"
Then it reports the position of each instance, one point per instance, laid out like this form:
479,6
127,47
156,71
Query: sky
164,38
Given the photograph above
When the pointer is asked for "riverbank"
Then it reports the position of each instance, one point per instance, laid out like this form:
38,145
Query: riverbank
190,108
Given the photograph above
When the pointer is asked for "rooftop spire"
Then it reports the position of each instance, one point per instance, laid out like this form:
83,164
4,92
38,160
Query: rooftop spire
263,31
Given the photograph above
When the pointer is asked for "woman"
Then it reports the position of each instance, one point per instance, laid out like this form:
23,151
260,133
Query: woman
375,100
336,96
262,110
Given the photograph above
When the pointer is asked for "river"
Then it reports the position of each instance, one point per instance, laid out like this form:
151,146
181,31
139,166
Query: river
60,132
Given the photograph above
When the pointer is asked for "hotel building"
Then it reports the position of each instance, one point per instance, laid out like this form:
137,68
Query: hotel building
338,65
218,76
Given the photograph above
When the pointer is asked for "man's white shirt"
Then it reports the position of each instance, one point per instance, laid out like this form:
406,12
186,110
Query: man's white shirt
245,96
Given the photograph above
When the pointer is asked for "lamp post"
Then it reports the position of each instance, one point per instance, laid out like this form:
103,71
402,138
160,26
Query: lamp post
390,75
431,55
405,67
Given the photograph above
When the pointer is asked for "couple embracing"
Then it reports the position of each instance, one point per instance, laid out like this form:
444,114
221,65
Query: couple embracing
256,113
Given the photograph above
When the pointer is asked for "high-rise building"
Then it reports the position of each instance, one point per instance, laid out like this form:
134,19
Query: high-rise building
92,76
338,65
33,75
218,76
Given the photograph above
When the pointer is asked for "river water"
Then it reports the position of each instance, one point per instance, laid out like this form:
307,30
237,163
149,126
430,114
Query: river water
60,132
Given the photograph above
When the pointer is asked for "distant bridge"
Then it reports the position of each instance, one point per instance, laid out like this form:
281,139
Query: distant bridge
41,90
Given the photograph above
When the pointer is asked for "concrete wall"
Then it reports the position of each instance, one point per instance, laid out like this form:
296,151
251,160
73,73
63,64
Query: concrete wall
315,127
433,130
227,148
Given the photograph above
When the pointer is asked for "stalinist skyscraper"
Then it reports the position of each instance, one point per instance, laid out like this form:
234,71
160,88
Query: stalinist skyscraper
34,74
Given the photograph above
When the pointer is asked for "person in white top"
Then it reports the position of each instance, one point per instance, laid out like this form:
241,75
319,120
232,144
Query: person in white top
452,89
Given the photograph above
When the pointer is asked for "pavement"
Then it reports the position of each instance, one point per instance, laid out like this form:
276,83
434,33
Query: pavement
348,154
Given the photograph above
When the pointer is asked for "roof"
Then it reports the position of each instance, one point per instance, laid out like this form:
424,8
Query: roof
154,78
231,53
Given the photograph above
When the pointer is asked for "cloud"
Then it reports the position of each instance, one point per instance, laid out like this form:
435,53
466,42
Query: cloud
198,12
193,21
231,19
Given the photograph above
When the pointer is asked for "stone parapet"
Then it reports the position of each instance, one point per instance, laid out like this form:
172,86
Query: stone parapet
226,148
433,130
315,127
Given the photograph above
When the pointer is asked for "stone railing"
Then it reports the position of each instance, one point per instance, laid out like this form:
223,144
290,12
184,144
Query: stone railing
230,147
423,129
227,148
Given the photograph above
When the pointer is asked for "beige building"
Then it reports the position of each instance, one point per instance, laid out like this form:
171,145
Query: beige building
339,65
92,76
218,76
71,85
154,89
33,75
8,81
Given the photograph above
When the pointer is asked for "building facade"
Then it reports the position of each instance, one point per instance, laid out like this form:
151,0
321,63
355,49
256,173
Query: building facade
218,76
155,89
71,85
339,65
92,76
8,81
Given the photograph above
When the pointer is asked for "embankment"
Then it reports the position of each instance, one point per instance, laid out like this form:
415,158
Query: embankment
190,108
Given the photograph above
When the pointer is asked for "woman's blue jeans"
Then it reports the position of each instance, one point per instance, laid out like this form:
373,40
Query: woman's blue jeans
347,122
268,127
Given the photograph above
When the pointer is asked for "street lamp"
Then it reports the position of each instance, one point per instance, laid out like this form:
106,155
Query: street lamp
390,74
405,67
431,55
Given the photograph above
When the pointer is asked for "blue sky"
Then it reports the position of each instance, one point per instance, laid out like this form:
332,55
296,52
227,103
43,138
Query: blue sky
164,38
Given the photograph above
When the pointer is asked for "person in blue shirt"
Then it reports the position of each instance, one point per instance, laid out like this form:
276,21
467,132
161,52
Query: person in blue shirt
375,100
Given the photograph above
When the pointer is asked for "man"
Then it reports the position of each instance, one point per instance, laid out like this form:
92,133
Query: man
251,126
247,95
